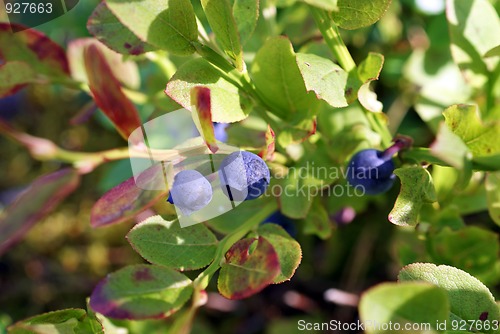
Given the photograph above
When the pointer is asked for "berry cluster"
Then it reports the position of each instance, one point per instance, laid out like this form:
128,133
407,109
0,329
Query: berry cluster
243,175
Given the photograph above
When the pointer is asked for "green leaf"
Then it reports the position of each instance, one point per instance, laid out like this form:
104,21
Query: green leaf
474,29
246,14
326,79
330,5
276,74
246,271
481,138
141,292
493,52
317,221
493,195
287,248
62,321
355,14
406,304
166,24
469,298
295,199
106,27
416,189
166,243
471,249
228,103
369,69
14,75
220,16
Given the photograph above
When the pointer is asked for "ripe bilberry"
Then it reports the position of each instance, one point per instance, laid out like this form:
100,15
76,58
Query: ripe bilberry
373,170
190,191
243,176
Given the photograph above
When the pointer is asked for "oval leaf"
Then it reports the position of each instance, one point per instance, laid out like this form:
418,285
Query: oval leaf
36,202
287,248
416,189
355,14
326,79
106,27
167,24
108,94
220,16
167,244
245,273
141,292
469,298
406,304
246,14
277,76
126,200
228,103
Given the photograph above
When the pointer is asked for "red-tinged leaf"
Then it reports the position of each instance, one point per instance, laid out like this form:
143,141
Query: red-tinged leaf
126,200
14,75
108,94
141,292
34,204
247,272
106,27
268,152
34,49
126,71
200,98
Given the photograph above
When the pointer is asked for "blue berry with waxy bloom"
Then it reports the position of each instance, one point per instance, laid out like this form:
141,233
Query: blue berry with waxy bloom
372,170
190,191
243,176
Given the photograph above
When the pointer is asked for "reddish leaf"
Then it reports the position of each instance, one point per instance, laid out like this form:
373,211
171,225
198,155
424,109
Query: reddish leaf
32,48
268,152
34,204
201,99
245,273
141,292
108,94
126,200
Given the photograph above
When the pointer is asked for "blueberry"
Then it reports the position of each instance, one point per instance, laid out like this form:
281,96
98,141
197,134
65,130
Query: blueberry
280,219
220,131
372,170
243,176
190,191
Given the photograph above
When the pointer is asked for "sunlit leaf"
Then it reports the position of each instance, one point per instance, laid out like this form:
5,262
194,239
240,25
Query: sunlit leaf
202,102
166,243
167,24
354,14
106,27
228,103
330,5
416,189
469,298
36,202
248,269
287,248
474,29
246,14
279,81
141,292
326,79
220,16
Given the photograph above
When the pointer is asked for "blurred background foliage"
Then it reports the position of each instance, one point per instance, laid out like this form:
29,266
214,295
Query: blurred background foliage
61,259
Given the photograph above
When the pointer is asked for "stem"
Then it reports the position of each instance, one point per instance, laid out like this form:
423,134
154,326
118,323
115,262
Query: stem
201,282
332,38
